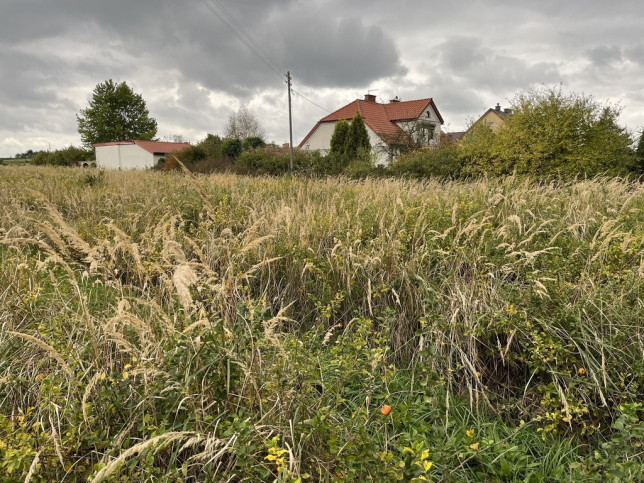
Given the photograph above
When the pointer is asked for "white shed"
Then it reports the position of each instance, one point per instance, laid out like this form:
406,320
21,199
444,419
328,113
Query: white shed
134,154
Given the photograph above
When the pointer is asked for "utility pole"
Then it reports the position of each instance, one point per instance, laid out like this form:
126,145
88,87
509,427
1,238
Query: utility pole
290,119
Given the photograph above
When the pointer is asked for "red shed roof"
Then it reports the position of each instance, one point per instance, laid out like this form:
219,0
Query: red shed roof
154,147
380,118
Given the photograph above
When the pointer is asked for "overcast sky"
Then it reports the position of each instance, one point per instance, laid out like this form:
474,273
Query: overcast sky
193,71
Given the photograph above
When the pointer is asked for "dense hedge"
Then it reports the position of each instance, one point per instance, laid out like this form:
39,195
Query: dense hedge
69,156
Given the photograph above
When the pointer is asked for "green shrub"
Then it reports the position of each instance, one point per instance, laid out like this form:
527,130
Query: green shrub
551,133
191,154
445,161
69,156
253,142
362,165
212,146
231,148
276,161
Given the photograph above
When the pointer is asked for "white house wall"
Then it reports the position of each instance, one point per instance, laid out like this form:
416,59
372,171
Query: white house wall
378,148
320,140
124,156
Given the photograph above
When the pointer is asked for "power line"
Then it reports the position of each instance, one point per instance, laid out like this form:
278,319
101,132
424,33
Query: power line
309,100
247,39
247,35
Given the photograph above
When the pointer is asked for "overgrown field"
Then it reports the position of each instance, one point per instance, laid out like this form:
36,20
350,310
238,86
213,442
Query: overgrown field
159,327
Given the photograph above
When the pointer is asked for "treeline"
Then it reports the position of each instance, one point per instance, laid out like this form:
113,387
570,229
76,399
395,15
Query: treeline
551,133
69,156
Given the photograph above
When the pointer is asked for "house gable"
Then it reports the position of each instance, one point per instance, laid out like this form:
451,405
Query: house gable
494,117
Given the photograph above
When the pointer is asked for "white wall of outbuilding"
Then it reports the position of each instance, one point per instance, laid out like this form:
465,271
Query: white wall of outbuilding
125,156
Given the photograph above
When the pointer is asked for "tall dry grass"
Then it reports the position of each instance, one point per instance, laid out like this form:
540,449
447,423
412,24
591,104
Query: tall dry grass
130,295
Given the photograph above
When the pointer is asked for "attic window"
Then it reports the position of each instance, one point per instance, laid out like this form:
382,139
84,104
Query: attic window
428,114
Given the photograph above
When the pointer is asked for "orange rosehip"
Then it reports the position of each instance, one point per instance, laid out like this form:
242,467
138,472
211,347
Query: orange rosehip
385,409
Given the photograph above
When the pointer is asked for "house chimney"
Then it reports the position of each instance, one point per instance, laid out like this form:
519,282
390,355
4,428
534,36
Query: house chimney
498,107
369,98
395,99
507,110
286,145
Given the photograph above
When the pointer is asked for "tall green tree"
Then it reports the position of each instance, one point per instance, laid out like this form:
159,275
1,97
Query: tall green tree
357,138
115,113
339,137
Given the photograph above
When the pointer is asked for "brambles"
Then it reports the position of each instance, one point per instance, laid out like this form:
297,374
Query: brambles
159,326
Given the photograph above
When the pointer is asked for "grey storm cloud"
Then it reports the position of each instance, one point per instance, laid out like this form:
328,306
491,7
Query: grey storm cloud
194,71
604,55
194,41
469,59
342,53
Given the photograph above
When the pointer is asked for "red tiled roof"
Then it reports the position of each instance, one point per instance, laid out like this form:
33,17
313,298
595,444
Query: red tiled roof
153,147
380,118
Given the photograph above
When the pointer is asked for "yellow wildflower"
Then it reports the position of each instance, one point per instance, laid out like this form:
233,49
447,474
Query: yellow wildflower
276,455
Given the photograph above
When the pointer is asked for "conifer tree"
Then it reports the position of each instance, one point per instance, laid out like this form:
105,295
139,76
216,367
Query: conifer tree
339,137
357,138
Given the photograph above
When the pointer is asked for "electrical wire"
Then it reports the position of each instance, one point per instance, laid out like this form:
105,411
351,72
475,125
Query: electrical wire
248,43
309,100
247,39
245,32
